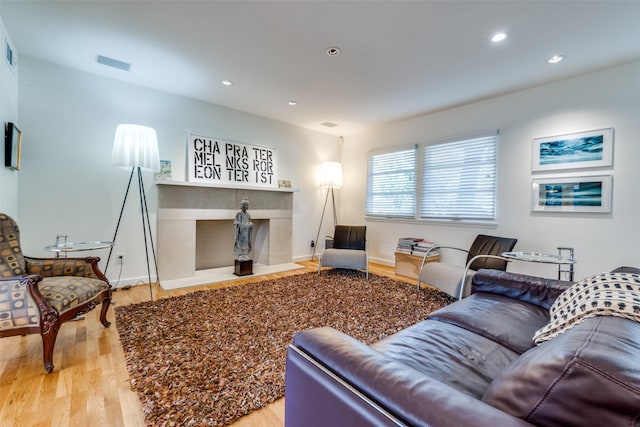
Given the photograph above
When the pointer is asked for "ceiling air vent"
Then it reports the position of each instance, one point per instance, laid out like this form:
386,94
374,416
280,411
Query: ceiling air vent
114,63
329,124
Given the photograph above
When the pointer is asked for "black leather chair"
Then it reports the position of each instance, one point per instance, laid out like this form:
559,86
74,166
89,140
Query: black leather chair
346,249
485,252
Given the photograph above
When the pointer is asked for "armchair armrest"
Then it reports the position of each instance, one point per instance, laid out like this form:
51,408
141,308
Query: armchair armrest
48,315
388,386
51,267
435,248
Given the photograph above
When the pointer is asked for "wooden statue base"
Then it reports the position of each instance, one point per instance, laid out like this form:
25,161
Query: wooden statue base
243,268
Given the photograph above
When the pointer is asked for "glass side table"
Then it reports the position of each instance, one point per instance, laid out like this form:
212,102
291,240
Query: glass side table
66,247
565,263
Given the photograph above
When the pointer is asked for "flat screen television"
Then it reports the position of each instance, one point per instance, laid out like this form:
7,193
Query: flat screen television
12,146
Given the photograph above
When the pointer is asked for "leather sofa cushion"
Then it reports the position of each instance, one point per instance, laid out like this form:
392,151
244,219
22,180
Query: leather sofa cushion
454,356
511,323
590,369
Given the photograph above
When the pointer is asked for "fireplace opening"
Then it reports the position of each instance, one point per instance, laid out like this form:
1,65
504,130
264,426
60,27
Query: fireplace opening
215,240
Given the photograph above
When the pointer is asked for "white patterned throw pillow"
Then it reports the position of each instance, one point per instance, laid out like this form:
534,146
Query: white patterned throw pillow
605,294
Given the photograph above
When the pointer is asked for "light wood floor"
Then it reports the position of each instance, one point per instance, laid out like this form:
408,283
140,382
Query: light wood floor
90,384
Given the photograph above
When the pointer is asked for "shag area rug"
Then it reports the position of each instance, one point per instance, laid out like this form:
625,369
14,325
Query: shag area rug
211,357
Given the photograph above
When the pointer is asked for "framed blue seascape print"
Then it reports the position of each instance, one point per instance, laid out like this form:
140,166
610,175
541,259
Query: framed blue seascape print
588,193
589,149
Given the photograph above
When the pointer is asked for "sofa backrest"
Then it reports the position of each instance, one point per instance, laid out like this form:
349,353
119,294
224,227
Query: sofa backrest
535,290
588,375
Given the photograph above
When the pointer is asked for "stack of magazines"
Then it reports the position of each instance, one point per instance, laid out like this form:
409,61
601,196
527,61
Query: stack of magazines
415,246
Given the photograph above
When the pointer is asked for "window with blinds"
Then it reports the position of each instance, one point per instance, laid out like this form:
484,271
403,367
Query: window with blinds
459,179
391,184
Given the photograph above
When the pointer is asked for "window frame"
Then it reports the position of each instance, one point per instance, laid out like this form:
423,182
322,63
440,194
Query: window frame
418,217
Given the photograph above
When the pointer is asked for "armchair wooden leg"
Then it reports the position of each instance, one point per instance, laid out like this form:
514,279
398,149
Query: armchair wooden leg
103,312
49,334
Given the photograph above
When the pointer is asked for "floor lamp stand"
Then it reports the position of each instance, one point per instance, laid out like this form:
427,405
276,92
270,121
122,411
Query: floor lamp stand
335,217
146,226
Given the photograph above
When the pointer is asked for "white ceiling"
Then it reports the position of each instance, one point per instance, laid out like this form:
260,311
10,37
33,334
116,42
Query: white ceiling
399,58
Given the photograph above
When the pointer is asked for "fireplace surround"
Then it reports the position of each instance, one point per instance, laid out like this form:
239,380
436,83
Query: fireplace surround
195,227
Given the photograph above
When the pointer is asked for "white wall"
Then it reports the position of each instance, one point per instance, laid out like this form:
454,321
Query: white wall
609,98
8,113
68,186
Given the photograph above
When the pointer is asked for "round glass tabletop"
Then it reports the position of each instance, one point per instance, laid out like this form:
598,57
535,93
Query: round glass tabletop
78,246
539,257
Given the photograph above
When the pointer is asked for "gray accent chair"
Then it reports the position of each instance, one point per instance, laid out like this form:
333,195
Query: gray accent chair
485,252
346,249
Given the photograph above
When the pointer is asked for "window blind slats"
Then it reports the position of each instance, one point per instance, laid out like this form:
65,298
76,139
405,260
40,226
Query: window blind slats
459,180
391,184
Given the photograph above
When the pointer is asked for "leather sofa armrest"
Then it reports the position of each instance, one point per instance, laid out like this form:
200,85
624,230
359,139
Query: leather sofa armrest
531,289
405,393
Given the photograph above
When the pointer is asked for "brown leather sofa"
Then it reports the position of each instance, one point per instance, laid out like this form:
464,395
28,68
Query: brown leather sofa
472,363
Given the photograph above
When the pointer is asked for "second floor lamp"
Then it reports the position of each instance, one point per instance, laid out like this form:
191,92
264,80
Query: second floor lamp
330,178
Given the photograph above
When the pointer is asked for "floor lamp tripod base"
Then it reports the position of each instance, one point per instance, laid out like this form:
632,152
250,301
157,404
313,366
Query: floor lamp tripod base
146,227
335,218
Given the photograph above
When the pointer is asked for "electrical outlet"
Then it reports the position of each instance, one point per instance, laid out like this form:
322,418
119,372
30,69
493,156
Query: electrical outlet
313,244
121,258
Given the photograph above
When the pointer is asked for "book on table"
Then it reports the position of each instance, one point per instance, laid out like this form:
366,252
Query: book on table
415,246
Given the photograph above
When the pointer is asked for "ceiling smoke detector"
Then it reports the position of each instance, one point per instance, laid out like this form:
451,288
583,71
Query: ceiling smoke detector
329,124
334,51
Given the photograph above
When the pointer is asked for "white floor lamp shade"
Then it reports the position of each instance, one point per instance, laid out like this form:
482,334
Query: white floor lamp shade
136,146
331,175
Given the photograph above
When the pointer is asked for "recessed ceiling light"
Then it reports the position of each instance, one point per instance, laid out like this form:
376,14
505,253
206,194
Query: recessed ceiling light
293,103
498,37
555,59
334,51
227,82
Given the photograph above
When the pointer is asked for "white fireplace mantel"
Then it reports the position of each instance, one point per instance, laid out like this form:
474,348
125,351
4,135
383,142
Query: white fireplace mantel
227,186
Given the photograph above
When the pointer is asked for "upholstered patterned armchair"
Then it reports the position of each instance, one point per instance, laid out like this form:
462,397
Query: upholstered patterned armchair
37,295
